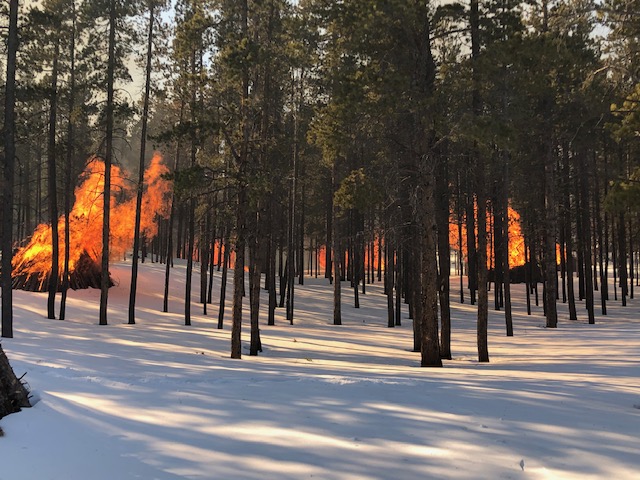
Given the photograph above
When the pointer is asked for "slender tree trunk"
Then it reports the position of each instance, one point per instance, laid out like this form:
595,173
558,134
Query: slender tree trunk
388,277
622,259
551,274
291,238
141,161
172,214
414,284
69,161
242,199
53,185
329,239
271,320
444,254
568,235
399,285
508,316
460,248
586,235
104,287
337,255
630,259
483,294
9,172
604,287
223,281
204,261
255,276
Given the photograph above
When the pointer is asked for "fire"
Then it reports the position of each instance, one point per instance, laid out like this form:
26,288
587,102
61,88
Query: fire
516,239
33,262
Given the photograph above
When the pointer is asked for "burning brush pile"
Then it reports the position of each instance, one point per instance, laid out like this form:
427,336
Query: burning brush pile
32,263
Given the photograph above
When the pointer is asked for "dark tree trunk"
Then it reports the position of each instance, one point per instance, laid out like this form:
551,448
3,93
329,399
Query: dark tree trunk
140,186
604,287
399,286
472,254
388,277
242,200
483,294
504,208
430,344
460,240
622,259
172,214
444,255
204,260
337,255
568,235
255,270
414,285
9,172
630,259
68,189
329,242
271,280
586,235
105,282
53,185
223,281
549,255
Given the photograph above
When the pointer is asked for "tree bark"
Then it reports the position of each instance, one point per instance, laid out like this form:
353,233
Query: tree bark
69,161
430,345
53,183
9,172
549,256
586,235
143,148
104,286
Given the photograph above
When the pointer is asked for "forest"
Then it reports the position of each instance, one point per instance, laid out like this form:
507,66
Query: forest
364,141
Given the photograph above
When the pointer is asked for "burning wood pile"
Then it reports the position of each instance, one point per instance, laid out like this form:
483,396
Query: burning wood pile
32,263
86,274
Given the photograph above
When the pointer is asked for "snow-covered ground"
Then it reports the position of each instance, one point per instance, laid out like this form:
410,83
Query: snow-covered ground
159,400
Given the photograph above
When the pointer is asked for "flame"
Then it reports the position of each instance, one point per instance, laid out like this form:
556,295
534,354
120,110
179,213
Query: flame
516,240
85,220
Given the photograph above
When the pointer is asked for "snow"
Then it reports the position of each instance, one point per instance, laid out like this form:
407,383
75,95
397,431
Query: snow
159,400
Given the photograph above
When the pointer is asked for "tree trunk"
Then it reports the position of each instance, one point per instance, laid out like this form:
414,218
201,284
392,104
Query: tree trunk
68,189
337,255
388,277
143,148
505,251
104,285
53,185
568,235
551,275
586,235
223,281
622,259
430,345
254,297
444,254
483,294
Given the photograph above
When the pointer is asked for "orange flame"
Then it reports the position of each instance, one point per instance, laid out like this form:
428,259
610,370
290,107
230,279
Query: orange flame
86,219
516,239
